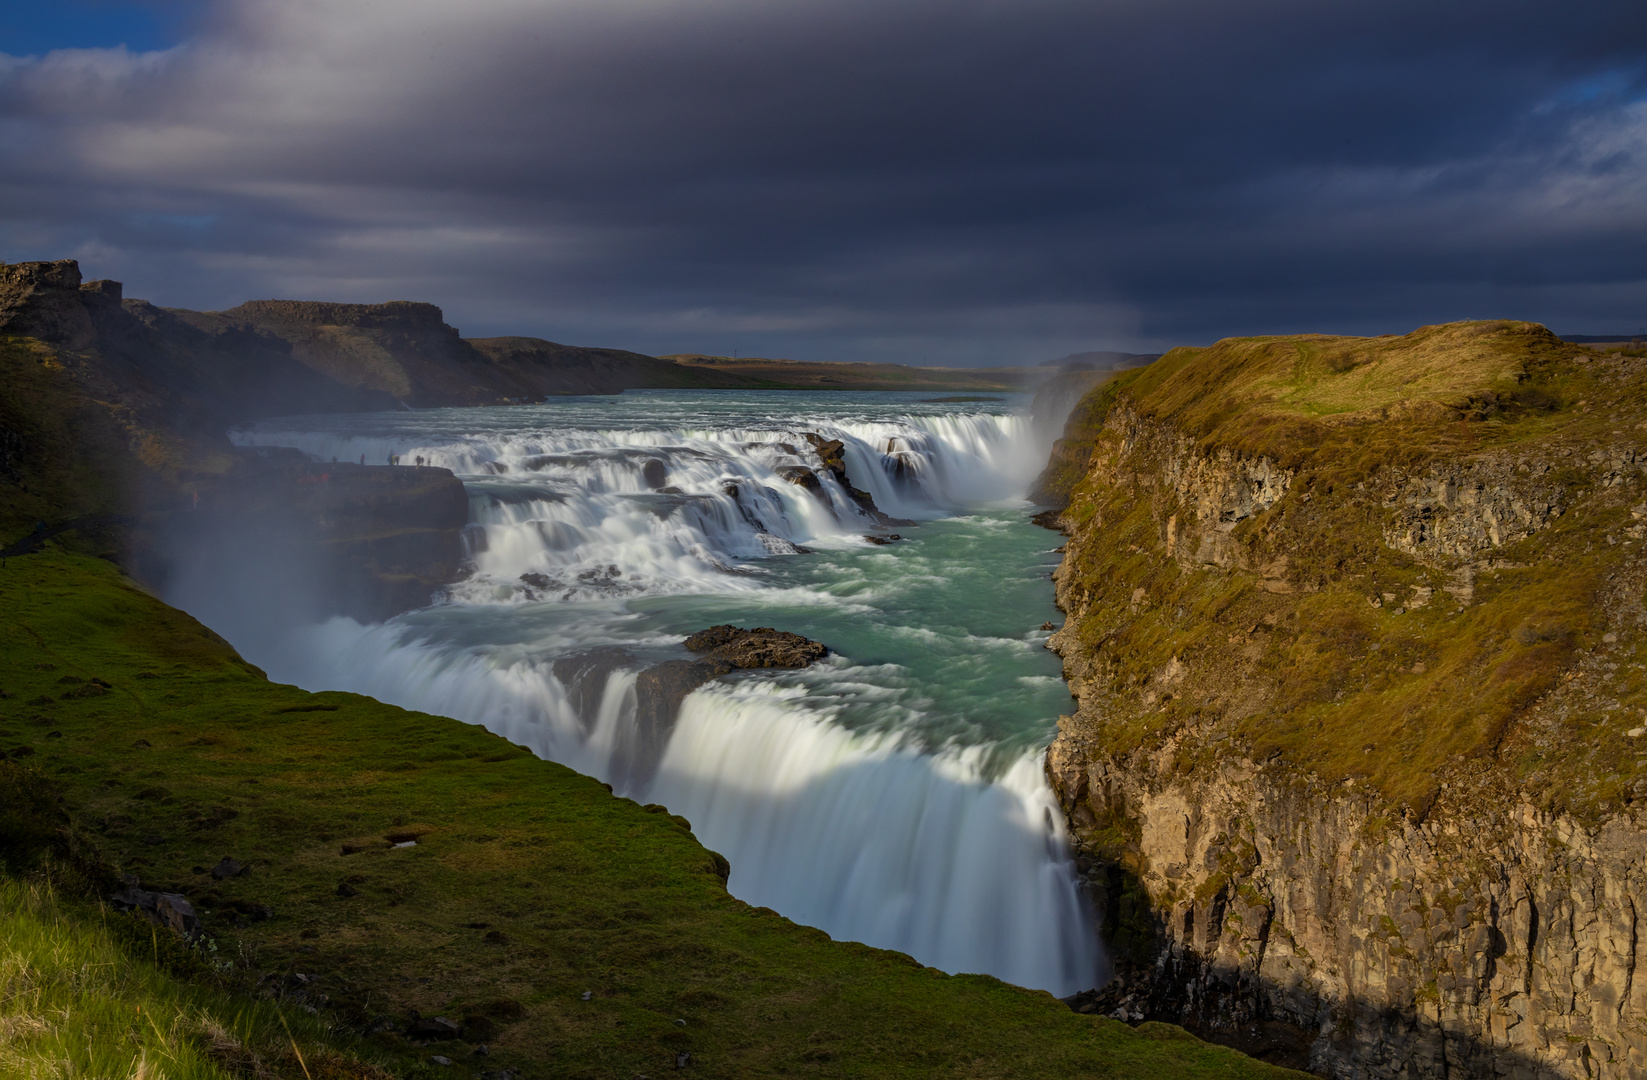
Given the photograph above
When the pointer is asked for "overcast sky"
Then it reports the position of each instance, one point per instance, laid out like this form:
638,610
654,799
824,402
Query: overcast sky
956,182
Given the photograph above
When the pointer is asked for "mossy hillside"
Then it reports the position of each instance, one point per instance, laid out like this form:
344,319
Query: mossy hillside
74,448
1523,678
62,454
528,886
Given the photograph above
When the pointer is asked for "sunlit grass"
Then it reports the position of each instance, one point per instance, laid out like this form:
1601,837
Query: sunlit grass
75,1003
571,932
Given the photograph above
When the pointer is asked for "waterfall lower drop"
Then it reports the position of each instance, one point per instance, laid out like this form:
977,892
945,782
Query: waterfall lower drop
906,851
882,797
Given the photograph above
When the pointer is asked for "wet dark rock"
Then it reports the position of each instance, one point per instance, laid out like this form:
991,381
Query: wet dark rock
169,910
654,473
1047,519
881,540
803,477
762,647
538,581
832,452
1048,626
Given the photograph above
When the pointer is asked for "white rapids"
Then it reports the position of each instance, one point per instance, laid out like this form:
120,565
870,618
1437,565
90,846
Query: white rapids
893,794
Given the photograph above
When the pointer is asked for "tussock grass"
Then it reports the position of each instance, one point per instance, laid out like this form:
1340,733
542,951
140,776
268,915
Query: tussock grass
76,1003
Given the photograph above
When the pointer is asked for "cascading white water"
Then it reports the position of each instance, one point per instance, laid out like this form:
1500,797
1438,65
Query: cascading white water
879,796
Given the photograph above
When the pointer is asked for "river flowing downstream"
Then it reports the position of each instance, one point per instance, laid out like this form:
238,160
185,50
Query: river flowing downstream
891,794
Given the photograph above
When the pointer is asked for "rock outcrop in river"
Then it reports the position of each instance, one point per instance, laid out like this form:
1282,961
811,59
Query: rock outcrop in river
660,688
1356,629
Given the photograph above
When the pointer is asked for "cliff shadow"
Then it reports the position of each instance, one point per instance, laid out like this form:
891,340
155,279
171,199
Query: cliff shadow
1161,975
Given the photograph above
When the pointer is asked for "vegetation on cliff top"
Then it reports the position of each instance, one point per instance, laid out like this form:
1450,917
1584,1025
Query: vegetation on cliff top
575,933
1445,585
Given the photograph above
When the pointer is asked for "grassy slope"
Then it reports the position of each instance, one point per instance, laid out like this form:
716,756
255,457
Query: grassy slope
193,755
1517,683
82,998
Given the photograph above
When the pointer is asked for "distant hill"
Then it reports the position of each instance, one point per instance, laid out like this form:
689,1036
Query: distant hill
839,375
1603,339
1103,360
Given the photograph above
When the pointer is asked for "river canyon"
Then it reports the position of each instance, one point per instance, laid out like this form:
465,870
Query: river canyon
893,793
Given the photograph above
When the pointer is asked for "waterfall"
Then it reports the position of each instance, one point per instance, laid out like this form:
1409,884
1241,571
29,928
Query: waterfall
896,832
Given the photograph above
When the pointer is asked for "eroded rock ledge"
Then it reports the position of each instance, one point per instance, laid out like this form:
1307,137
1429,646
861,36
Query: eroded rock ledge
1356,775
660,688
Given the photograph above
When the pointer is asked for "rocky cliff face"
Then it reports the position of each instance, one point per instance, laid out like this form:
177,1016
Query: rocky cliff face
112,422
367,541
1357,769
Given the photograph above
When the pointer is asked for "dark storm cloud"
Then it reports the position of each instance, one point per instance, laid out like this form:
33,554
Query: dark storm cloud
960,181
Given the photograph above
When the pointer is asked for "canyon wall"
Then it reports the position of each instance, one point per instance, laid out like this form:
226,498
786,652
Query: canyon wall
1356,770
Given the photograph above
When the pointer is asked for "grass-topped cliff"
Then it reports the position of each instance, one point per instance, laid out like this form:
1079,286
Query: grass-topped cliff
1356,627
1390,561
574,933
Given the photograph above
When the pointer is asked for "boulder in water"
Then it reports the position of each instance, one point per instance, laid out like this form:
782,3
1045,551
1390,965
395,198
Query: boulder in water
762,647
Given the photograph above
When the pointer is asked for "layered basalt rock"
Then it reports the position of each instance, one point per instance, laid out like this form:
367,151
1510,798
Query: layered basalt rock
1356,775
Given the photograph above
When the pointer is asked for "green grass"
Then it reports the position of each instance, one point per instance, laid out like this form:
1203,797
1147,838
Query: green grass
79,999
528,886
